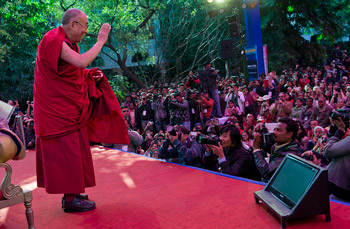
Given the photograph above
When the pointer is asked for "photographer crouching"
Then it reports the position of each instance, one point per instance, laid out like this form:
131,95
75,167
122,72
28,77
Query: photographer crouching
185,148
229,155
284,135
338,153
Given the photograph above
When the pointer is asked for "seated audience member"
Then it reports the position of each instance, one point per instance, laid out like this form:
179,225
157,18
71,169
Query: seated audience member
232,110
321,112
302,138
249,123
281,108
296,111
152,150
187,150
306,112
317,132
337,151
148,139
230,155
246,140
285,137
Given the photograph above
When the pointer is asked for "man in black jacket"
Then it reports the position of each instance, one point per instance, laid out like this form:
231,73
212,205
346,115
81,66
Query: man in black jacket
284,134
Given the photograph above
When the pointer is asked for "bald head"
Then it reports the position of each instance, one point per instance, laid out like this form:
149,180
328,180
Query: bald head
70,14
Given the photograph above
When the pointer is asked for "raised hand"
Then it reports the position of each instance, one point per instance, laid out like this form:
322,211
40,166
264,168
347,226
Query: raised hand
103,34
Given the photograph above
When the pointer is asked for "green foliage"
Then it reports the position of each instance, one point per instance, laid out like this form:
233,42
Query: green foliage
21,25
187,36
284,22
120,85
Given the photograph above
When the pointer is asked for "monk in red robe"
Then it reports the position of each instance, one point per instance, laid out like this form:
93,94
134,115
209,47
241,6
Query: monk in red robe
72,106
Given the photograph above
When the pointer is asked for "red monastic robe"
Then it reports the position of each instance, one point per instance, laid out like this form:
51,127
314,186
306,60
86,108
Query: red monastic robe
70,108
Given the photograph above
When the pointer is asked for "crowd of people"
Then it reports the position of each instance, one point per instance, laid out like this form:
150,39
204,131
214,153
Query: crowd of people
226,125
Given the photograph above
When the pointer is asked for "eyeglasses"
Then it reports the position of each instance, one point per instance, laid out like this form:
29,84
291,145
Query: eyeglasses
84,26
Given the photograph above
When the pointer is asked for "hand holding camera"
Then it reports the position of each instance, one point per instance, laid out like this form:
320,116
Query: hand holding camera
218,150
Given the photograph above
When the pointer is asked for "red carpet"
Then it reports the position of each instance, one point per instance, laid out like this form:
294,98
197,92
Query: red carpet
137,192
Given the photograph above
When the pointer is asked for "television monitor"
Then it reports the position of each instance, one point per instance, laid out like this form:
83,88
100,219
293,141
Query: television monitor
297,189
292,180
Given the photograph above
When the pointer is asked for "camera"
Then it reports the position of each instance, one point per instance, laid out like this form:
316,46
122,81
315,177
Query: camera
208,140
171,130
268,139
343,114
337,89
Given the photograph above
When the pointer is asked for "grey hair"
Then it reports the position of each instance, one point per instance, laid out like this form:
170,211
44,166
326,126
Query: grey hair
69,14
318,127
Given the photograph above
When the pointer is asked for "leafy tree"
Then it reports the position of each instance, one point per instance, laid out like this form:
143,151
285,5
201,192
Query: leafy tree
21,25
284,22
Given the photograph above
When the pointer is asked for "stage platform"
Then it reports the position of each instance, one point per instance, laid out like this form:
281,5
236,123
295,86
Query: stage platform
134,191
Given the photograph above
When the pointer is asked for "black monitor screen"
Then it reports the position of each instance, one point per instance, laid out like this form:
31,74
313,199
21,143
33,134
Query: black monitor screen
292,180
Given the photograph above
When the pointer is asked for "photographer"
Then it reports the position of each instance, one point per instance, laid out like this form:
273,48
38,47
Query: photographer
187,150
192,81
145,111
338,153
284,135
230,155
160,114
213,87
281,108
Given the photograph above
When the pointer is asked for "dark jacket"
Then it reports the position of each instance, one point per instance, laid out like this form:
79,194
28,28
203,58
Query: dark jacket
191,153
266,170
239,162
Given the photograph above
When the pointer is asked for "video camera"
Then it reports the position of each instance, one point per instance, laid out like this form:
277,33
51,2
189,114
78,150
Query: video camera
343,114
268,139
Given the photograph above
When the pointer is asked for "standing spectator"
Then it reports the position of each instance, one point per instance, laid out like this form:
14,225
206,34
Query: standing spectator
208,104
213,88
145,111
181,115
160,114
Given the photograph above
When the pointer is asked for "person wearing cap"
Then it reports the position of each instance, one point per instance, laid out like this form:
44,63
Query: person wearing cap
265,108
72,105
